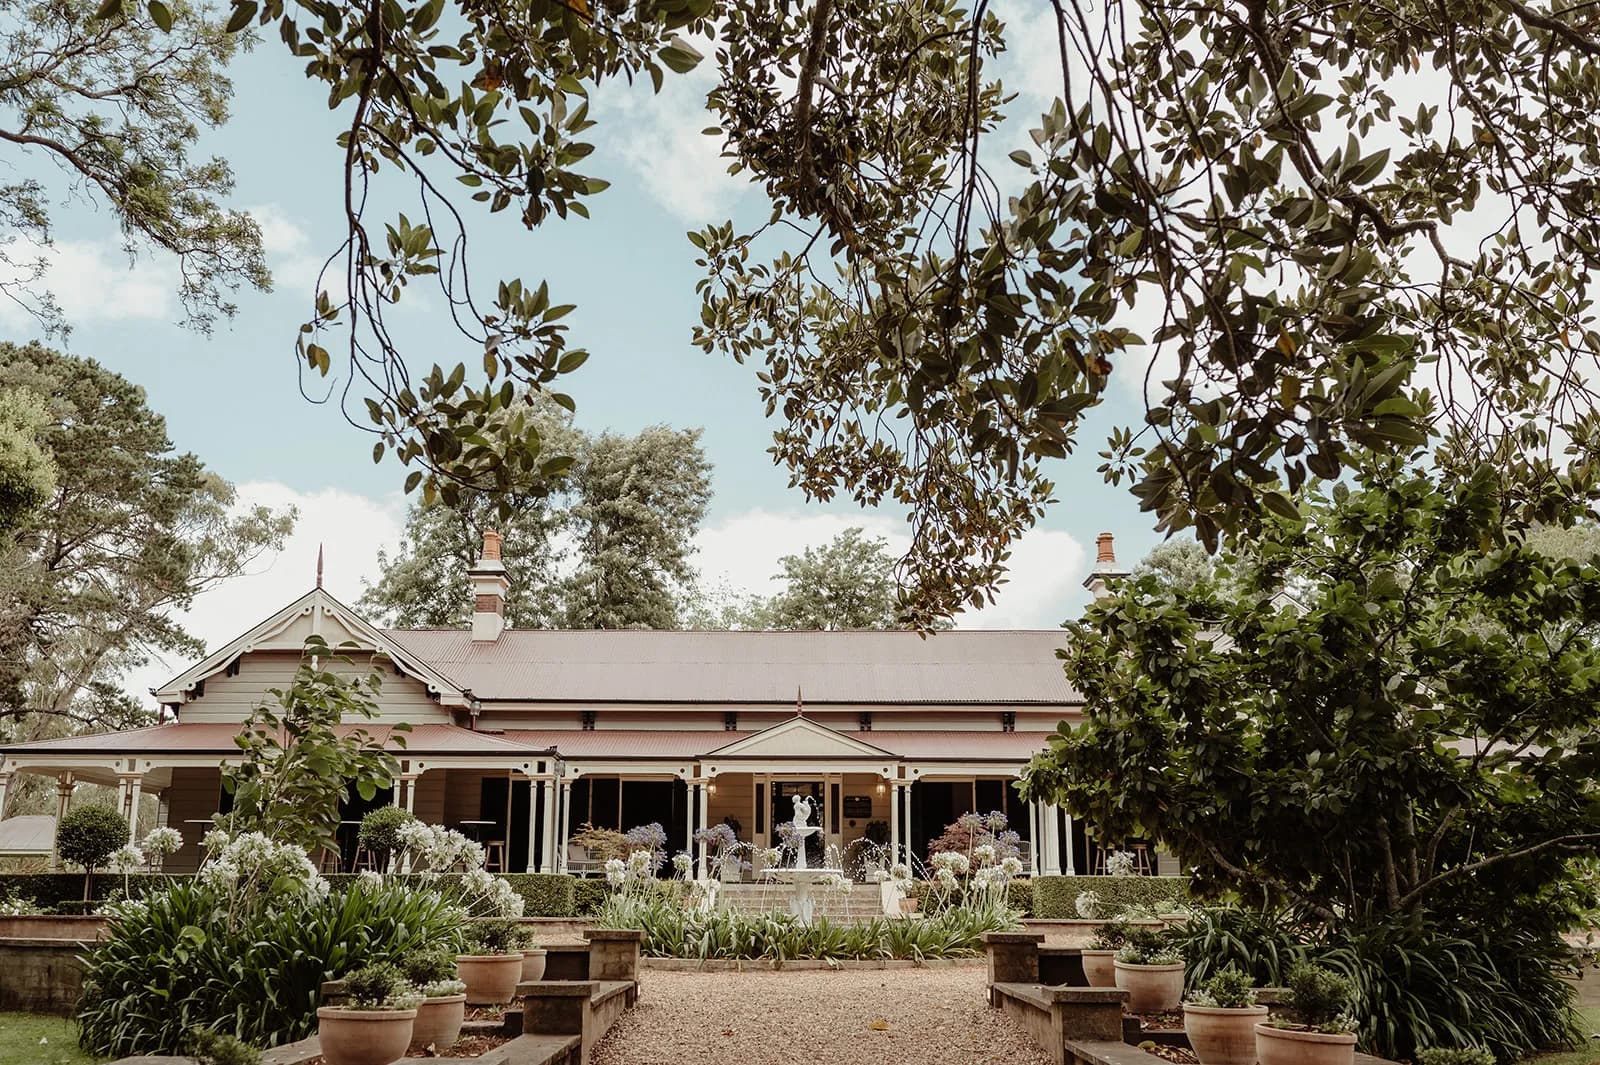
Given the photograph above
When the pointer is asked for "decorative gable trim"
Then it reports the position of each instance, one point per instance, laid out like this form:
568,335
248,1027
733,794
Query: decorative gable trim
798,737
337,624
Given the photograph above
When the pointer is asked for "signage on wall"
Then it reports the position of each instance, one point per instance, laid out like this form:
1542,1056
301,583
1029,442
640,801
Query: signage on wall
857,806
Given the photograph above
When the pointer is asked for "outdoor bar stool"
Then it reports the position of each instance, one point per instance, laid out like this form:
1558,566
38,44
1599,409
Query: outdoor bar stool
328,861
365,860
494,855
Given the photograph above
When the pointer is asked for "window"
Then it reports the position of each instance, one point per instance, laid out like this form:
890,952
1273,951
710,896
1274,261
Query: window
1008,721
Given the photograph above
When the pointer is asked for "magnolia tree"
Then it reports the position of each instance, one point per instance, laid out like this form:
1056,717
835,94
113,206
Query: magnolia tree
1387,712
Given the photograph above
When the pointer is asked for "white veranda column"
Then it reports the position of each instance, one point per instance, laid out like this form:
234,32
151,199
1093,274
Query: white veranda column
566,818
5,784
702,864
1052,841
134,786
1035,837
1067,866
539,827
63,798
894,823
910,856
688,815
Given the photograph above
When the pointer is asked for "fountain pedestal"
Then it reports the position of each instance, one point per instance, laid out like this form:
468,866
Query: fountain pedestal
800,879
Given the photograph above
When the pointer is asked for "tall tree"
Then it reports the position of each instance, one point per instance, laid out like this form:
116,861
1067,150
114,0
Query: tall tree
638,502
424,583
113,108
847,583
1413,740
27,473
605,544
1177,563
132,532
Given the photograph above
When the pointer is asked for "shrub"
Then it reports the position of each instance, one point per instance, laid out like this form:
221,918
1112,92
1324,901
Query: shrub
1055,897
88,835
496,936
1263,945
1113,935
1146,946
970,831
49,891
376,987
173,961
380,831
215,1048
1230,989
1454,1056
1321,998
428,966
1499,989
605,843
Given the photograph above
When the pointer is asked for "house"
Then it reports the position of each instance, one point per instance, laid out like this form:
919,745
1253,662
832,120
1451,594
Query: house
519,737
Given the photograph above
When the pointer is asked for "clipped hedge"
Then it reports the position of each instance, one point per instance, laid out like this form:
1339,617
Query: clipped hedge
1055,897
63,892
588,894
545,894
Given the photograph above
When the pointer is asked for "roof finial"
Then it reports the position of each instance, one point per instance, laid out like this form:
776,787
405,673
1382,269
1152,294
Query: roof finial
799,703
319,565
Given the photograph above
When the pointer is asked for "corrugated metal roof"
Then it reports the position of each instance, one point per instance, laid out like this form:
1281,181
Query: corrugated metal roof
997,668
217,738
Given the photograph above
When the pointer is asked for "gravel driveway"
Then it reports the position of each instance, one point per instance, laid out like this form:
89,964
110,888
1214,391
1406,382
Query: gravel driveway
904,1016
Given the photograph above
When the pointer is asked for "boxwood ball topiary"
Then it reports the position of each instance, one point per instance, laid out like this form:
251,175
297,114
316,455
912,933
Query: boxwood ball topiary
89,835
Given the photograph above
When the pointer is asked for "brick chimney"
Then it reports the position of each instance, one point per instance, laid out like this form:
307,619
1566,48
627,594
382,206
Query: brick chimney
1106,572
489,586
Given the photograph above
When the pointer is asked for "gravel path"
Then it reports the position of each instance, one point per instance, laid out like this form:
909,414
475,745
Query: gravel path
904,1016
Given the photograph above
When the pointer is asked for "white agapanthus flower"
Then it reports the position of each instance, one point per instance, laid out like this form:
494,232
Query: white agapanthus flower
772,857
1120,863
162,841
945,877
616,872
369,878
900,872
951,861
639,862
126,859
985,853
681,863
1011,866
215,840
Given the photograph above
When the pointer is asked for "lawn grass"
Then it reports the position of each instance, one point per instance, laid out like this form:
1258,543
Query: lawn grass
20,1035
1588,1054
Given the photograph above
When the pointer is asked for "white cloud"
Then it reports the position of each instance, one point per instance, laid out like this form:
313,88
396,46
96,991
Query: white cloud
92,280
659,138
1046,573
293,258
349,529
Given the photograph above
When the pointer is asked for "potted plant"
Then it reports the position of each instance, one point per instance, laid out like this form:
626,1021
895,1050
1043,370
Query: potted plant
444,1001
1323,1029
1221,1019
493,962
373,1027
1151,971
533,958
1101,952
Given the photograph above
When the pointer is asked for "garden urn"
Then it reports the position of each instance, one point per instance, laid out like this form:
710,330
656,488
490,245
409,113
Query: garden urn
1098,967
908,905
533,963
491,979
438,1023
363,1037
1151,988
1301,1046
1223,1035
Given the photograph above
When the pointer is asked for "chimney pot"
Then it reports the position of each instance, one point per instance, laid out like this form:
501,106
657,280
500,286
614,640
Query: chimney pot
491,544
489,586
1104,551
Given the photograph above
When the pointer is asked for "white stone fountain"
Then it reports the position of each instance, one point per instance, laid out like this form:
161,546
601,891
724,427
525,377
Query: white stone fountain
800,876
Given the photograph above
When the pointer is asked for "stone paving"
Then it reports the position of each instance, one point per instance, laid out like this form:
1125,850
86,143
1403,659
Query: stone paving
855,1017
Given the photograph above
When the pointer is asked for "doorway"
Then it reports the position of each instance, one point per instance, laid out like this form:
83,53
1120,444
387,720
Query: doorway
782,810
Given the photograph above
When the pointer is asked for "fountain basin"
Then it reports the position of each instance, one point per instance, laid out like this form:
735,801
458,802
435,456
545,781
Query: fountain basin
801,904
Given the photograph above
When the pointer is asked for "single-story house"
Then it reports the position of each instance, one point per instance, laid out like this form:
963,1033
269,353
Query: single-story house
519,737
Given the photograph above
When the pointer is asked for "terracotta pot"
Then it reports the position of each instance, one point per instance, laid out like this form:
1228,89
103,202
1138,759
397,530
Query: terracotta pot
908,905
491,979
438,1021
533,964
1223,1036
1289,1046
1151,988
1098,968
364,1037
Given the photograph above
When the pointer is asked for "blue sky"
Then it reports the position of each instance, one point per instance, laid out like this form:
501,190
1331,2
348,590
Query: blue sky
232,397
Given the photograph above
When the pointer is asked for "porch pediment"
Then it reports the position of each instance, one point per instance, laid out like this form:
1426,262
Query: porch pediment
799,738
